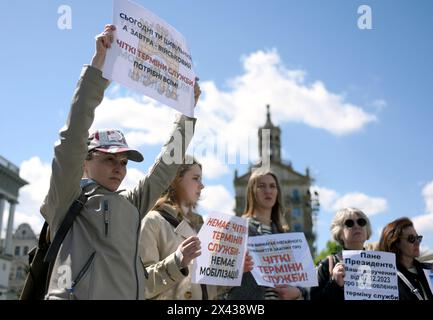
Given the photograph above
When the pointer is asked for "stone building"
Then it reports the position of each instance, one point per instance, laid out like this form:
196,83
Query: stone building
10,183
300,206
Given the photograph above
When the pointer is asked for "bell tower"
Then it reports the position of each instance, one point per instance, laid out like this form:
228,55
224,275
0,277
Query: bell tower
274,135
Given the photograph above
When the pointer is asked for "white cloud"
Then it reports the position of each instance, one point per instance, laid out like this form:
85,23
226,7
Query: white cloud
369,205
216,198
379,104
331,201
37,174
143,122
212,167
132,178
327,197
233,116
427,192
424,223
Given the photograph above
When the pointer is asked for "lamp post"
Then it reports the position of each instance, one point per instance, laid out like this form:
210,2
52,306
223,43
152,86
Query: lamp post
313,199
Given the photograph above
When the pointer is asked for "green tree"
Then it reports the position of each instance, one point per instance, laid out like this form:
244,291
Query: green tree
331,247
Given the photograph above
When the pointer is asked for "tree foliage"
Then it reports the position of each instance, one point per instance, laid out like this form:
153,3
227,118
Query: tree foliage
331,247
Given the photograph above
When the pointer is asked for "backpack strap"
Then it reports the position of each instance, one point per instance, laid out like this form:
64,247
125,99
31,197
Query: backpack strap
73,212
330,264
175,222
170,219
414,290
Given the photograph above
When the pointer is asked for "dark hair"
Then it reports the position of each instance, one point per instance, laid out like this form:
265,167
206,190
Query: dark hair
277,209
391,234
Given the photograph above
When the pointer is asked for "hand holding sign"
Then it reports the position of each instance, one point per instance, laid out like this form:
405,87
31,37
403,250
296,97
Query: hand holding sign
103,42
286,292
197,91
249,263
190,249
338,274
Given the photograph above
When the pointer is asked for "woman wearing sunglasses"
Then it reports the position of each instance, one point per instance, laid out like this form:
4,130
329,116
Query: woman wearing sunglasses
401,238
350,228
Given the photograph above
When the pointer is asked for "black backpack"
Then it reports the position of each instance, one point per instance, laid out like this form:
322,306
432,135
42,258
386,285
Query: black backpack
43,256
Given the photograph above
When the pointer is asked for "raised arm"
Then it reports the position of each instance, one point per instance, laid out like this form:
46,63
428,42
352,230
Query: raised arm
71,150
166,164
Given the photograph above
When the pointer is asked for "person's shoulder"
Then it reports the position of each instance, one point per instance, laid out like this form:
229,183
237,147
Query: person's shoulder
324,263
423,265
197,216
153,215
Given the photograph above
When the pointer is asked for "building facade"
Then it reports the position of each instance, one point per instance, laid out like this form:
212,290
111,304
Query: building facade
300,205
10,183
23,240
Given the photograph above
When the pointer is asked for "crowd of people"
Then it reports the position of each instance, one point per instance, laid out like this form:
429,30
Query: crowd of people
140,244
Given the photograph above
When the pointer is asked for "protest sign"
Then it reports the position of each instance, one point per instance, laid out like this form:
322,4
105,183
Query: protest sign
282,259
223,244
150,56
370,275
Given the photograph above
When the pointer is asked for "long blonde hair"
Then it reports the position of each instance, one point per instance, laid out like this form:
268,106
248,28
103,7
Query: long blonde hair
170,196
277,209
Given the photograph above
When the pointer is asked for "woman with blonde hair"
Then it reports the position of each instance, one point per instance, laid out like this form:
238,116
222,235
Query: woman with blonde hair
168,241
265,216
350,228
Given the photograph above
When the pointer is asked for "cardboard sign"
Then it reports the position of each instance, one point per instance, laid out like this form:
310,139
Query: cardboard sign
150,56
370,275
223,241
282,259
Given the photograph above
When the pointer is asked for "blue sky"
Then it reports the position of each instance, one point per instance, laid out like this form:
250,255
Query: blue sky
353,104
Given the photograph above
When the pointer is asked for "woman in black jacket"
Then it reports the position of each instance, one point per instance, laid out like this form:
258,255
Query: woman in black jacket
264,212
401,238
350,228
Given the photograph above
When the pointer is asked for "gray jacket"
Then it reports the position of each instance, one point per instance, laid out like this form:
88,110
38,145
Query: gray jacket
99,257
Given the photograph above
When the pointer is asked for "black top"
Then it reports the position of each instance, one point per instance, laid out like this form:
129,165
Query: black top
328,289
418,281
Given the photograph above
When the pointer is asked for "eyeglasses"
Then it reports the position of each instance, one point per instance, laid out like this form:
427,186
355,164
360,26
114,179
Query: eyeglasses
360,222
412,238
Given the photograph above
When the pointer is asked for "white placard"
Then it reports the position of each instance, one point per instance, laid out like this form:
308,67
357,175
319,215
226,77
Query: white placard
223,243
370,275
282,259
150,56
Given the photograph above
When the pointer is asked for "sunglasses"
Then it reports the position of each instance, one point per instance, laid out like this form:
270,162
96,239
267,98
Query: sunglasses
360,222
412,239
